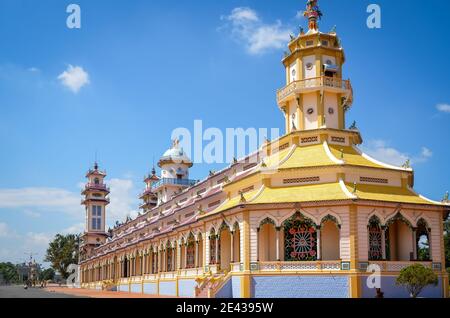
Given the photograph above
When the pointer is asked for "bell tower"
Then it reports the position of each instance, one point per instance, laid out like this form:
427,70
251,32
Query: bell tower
95,201
316,95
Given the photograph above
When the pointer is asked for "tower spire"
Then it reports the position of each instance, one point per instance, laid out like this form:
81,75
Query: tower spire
313,14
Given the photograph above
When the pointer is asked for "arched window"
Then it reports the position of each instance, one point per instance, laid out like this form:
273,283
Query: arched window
213,237
375,239
190,252
300,239
329,239
422,241
96,181
399,242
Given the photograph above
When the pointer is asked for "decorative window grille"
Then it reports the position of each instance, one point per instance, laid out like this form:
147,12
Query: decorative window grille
300,239
309,139
283,146
247,167
301,180
373,180
375,242
248,189
338,139
213,203
190,253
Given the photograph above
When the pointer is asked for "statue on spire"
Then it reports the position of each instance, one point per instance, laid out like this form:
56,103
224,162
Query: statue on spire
313,14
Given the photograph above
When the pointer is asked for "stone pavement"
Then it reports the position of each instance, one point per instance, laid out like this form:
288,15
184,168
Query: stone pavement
17,291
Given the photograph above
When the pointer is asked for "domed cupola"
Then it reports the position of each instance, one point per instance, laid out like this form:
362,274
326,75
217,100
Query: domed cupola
174,165
175,154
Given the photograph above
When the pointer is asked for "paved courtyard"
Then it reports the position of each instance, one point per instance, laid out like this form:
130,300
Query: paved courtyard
17,291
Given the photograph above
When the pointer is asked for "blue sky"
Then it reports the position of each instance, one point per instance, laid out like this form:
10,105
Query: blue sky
138,69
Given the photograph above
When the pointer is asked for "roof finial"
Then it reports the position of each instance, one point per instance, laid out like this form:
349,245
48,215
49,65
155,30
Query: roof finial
313,14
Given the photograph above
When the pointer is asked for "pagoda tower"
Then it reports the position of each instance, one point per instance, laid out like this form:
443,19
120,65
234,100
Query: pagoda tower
149,197
95,201
316,95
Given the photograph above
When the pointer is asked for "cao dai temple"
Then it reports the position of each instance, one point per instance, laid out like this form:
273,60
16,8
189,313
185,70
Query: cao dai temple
304,216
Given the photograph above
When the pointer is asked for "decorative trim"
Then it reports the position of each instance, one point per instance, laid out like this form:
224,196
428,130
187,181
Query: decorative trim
330,155
248,167
346,191
338,139
301,180
283,146
307,140
345,266
373,180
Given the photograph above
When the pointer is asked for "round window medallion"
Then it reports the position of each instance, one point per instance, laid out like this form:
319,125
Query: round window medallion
310,111
330,111
309,66
329,62
294,72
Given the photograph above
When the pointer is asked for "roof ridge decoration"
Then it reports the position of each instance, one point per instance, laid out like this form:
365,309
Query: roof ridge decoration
313,14
344,189
366,156
330,155
425,198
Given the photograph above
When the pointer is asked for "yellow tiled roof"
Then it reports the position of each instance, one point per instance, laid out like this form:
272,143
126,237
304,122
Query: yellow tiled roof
387,193
275,159
307,193
351,156
235,201
309,156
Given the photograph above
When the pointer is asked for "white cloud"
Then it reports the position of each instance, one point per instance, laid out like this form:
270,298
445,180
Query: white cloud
34,70
257,36
46,198
124,201
32,214
37,240
4,230
445,108
74,78
380,150
74,229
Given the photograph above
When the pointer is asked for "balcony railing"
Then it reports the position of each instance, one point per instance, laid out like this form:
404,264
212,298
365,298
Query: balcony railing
397,266
300,266
312,84
174,181
96,186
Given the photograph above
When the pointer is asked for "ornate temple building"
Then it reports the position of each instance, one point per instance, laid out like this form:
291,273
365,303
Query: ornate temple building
304,216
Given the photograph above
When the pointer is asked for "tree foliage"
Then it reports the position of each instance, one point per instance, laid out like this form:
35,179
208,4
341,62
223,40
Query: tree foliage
415,278
9,273
47,274
62,252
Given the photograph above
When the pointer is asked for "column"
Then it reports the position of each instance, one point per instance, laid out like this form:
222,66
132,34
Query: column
232,247
383,243
278,228
258,230
217,248
143,264
414,238
185,255
319,242
196,254
158,258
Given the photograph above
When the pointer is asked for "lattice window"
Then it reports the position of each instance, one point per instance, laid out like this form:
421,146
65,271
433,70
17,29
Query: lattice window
309,43
222,180
247,167
187,215
190,254
375,241
373,180
248,189
213,203
283,146
309,139
338,139
300,239
301,180
201,191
